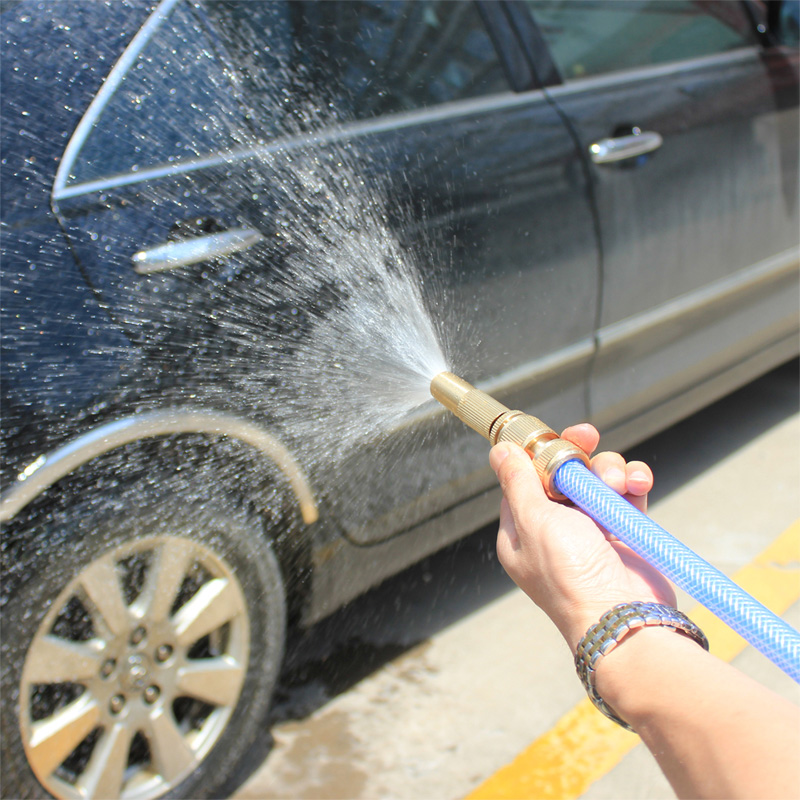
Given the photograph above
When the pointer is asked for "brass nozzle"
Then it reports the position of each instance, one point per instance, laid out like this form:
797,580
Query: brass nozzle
497,423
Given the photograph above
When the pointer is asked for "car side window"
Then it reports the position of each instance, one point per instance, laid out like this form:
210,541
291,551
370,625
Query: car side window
366,58
789,23
587,37
174,103
388,57
222,74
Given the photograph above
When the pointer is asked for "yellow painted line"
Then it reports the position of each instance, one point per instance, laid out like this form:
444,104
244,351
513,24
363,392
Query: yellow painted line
583,745
773,578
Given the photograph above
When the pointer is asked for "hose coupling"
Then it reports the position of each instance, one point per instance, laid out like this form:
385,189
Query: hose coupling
497,423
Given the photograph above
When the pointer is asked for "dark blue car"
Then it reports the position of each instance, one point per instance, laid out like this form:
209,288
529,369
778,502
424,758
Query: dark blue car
218,215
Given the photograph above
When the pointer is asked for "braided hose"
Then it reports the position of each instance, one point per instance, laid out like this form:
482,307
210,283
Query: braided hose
563,470
719,594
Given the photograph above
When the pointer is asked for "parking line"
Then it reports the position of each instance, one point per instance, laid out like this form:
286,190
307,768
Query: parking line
583,745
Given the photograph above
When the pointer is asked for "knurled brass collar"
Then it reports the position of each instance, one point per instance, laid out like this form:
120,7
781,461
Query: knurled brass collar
472,406
498,423
541,442
551,457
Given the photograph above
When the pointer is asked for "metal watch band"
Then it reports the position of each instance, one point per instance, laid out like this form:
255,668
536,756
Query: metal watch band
612,628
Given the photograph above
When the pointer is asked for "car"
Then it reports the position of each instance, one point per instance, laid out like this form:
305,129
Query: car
228,230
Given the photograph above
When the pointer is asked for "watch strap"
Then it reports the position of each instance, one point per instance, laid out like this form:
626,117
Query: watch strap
612,628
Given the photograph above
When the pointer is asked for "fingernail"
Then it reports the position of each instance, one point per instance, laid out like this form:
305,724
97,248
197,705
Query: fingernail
639,477
614,475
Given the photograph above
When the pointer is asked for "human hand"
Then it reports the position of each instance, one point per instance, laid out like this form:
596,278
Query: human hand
566,563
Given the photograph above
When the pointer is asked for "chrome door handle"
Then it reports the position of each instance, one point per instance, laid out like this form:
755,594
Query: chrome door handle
607,151
171,255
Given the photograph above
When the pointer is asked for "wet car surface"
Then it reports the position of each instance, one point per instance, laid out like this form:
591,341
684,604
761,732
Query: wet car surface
192,198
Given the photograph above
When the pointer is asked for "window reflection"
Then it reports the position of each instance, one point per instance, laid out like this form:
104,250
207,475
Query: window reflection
226,73
590,38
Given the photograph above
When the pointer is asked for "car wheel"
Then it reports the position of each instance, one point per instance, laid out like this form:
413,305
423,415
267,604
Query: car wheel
141,654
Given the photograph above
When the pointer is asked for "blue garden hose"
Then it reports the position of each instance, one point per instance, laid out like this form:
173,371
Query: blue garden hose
719,594
562,468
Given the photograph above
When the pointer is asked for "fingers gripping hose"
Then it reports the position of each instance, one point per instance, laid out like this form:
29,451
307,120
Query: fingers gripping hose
562,468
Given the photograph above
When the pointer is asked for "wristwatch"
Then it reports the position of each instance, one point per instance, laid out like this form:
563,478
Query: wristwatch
612,628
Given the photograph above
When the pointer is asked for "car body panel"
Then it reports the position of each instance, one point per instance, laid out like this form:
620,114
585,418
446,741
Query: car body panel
481,224
701,234
521,214
726,205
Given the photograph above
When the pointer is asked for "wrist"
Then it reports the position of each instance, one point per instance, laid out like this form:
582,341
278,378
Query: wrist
625,678
619,626
577,621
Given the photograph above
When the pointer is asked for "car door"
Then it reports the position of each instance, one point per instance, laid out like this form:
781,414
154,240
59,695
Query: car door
500,216
485,186
690,126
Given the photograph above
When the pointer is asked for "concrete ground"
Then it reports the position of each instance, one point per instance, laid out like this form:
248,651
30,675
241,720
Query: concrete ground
476,674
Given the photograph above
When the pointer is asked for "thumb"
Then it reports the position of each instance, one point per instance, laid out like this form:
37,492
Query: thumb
518,478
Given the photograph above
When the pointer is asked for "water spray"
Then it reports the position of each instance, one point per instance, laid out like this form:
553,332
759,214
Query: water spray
563,469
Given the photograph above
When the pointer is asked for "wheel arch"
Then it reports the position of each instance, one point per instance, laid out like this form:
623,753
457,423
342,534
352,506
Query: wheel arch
49,468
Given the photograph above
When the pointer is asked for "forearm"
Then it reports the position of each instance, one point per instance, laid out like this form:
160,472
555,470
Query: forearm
714,731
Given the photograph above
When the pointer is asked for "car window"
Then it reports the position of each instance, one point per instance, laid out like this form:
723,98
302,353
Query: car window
789,23
587,37
175,102
363,58
223,73
386,57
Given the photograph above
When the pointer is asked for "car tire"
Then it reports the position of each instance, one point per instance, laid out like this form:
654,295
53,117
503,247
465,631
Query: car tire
141,650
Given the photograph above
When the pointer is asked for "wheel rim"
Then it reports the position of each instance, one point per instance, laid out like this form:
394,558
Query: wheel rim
135,671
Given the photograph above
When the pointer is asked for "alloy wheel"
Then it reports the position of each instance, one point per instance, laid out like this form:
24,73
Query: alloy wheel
135,671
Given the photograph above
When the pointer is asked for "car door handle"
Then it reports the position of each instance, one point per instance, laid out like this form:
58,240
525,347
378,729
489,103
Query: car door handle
607,151
172,255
